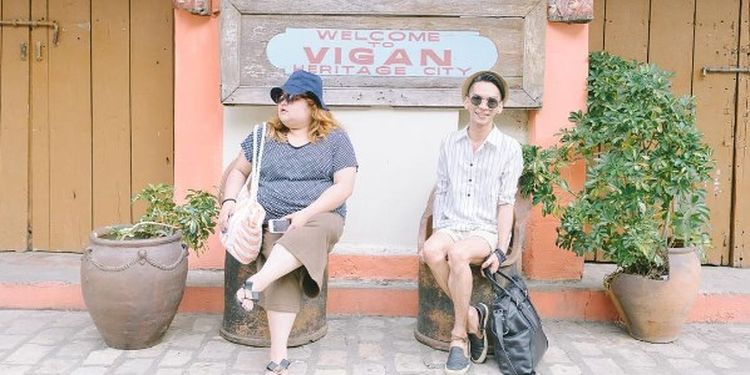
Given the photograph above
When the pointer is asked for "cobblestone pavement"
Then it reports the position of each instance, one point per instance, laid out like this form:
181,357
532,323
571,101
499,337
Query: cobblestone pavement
60,342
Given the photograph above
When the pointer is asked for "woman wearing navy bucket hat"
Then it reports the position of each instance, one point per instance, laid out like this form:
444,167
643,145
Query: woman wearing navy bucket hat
308,172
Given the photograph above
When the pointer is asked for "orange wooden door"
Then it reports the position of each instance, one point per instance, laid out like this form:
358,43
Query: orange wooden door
87,121
684,36
14,132
741,208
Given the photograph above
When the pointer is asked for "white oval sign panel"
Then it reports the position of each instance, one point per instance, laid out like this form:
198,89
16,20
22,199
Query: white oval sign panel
382,53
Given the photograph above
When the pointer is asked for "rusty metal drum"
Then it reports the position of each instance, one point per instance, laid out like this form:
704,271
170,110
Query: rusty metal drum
251,328
435,310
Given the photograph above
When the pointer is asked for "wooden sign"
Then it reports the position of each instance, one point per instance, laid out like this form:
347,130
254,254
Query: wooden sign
383,54
571,11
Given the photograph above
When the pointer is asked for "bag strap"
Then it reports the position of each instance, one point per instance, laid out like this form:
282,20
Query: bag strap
248,181
498,287
257,159
525,291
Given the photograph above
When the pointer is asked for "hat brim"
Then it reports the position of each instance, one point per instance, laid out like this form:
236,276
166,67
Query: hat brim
505,90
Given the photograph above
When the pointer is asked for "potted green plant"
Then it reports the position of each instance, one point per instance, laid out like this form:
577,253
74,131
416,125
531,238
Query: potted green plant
643,201
133,276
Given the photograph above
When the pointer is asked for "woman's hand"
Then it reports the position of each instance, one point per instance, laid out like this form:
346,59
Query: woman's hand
298,219
227,209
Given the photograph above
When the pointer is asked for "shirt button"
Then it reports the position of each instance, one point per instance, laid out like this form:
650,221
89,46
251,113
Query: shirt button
468,195
469,180
471,164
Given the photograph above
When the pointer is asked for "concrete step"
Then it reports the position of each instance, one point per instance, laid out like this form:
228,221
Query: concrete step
383,285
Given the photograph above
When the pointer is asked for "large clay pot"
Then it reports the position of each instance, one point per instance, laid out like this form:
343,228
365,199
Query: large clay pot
654,310
132,288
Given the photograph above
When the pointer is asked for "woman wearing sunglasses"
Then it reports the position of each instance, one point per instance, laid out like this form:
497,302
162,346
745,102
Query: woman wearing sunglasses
307,173
478,171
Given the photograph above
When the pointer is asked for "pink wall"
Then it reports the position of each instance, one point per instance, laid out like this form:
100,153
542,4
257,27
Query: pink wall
565,71
198,115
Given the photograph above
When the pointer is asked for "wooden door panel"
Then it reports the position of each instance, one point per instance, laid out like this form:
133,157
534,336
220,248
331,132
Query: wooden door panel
40,133
596,27
716,45
671,41
14,131
152,94
627,28
70,126
741,222
110,74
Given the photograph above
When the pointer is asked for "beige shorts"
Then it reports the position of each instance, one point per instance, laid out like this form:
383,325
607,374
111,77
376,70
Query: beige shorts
458,235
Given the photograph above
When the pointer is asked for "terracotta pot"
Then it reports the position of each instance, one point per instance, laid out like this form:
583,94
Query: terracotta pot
654,310
132,288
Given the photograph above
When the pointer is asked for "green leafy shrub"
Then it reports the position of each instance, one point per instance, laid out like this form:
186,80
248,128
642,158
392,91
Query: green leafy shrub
163,217
646,170
541,174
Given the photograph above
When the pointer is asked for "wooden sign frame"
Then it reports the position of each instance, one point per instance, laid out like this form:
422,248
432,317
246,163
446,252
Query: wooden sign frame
515,27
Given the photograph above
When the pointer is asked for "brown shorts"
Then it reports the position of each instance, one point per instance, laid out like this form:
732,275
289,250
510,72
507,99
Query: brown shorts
310,245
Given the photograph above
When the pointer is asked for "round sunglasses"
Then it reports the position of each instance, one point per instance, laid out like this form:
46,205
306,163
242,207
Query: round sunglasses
477,100
288,98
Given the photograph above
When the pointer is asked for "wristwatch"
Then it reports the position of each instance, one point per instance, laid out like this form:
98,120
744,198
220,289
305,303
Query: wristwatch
500,255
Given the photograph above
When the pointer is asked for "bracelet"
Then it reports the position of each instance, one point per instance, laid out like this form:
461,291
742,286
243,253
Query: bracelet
228,200
500,255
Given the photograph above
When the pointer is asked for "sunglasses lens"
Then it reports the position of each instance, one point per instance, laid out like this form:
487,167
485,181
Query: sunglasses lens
286,97
477,100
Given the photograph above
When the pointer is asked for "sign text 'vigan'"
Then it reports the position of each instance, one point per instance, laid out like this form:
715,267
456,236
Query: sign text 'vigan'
382,53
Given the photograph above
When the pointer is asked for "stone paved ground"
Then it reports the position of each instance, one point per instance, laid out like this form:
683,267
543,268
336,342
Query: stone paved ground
59,342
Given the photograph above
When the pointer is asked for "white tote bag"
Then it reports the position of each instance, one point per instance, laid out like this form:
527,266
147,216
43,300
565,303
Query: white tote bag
246,224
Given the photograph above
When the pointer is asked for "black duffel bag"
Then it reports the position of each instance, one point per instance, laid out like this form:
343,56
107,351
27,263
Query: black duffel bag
520,341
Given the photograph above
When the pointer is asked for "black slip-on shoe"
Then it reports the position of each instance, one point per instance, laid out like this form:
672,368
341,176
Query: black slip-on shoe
478,346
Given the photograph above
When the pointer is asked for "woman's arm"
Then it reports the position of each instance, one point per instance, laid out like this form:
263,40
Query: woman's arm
332,198
236,178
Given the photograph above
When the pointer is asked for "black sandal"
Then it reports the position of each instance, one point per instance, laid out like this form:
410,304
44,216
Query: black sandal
254,296
278,368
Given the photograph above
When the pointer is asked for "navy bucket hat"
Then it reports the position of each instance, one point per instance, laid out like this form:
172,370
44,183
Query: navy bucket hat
302,82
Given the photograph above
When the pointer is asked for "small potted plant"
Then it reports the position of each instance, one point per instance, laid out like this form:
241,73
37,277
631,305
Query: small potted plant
133,276
643,201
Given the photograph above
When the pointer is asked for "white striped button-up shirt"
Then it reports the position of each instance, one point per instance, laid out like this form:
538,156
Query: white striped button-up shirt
471,185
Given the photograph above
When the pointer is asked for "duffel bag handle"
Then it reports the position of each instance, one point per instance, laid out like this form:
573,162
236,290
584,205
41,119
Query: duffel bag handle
490,276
